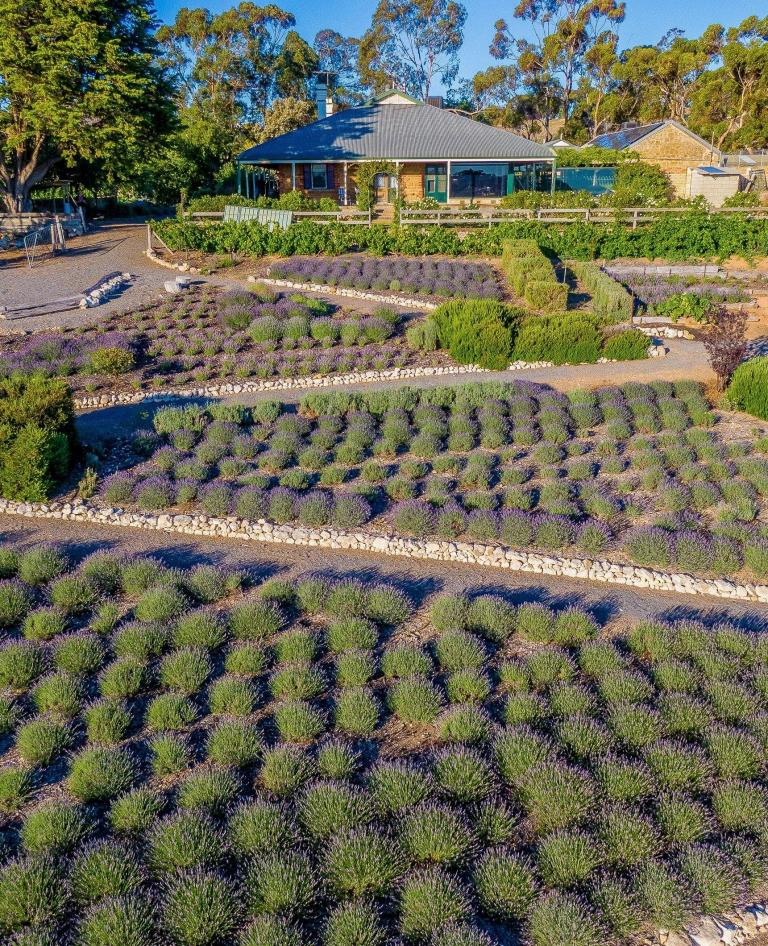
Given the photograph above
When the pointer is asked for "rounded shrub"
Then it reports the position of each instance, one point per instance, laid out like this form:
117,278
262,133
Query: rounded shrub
32,894
414,700
183,841
429,899
363,862
108,869
54,828
283,884
126,920
199,909
260,827
434,834
559,919
504,884
101,773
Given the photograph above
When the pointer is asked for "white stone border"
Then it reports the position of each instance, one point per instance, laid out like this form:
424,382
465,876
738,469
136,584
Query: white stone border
153,257
466,553
347,292
292,384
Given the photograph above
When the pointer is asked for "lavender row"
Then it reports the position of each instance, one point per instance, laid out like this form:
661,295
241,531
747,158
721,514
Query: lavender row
426,277
280,504
653,289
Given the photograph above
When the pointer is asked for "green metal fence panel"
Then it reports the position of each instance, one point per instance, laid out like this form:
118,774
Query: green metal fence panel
264,215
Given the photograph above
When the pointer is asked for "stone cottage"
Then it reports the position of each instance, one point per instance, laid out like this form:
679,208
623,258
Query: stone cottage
668,144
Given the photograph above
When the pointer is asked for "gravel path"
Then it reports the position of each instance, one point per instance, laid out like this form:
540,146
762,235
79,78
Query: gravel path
617,606
109,248
686,359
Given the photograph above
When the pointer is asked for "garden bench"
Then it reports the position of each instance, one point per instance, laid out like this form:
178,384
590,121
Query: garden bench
264,215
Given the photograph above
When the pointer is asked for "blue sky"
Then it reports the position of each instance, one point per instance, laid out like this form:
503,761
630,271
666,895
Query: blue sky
646,20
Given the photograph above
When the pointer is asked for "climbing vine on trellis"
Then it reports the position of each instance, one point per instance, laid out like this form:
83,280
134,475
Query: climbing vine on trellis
366,177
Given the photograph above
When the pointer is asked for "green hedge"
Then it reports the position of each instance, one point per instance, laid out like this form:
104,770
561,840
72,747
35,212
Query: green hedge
546,295
525,264
609,298
631,345
689,236
748,390
477,331
570,338
37,436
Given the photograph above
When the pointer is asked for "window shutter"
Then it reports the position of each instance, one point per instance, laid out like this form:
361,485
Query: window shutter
307,177
329,177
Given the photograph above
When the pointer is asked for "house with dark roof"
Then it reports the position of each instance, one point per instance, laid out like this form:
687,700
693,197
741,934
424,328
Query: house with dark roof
434,153
668,144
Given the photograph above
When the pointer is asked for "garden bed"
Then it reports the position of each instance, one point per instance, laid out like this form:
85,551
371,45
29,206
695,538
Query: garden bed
437,279
207,335
681,297
637,471
196,756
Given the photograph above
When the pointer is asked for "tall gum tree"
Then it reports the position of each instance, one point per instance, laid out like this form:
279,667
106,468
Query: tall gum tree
565,32
230,69
78,81
411,44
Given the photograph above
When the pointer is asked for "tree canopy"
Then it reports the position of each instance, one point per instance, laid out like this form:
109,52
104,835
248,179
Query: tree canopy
100,91
78,82
411,44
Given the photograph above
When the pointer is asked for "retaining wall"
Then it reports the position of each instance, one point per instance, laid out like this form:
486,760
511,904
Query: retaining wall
467,553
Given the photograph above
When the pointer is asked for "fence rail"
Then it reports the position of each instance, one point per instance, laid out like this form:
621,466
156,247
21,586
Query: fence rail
487,216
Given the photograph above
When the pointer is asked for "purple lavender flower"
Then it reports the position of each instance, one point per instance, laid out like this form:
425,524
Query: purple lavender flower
118,488
483,524
154,492
350,510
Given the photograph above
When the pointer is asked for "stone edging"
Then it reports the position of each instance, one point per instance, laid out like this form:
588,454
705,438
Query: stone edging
737,927
467,553
289,384
180,267
348,292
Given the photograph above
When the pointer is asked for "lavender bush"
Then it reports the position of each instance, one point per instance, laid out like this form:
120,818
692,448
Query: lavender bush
459,469
441,278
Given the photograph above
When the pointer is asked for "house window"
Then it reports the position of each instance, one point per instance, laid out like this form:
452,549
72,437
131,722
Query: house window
479,180
319,175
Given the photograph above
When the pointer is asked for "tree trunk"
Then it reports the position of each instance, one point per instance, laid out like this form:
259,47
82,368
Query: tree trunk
17,181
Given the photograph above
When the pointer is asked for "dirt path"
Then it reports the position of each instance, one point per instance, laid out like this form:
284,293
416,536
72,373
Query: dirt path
617,606
110,247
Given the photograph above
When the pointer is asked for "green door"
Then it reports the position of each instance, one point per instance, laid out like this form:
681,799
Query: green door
436,182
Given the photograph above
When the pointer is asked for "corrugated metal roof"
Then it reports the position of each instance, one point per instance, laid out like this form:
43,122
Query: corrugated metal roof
395,132
624,137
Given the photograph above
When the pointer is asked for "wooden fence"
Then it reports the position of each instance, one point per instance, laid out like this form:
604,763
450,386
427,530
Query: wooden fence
630,216
356,218
488,216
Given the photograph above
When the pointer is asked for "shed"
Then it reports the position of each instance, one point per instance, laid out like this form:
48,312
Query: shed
714,184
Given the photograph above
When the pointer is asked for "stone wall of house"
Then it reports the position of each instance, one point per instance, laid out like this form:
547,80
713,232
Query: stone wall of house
412,182
674,152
